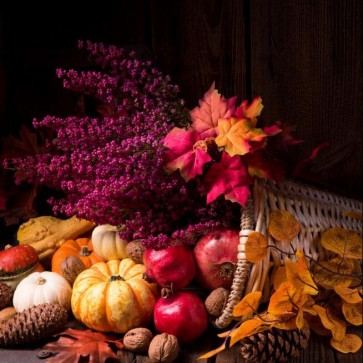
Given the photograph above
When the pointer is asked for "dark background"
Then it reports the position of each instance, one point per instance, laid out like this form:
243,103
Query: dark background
304,58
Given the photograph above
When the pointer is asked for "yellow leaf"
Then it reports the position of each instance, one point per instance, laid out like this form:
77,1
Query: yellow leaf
213,352
353,313
279,276
299,275
343,242
248,304
283,226
280,300
351,296
351,343
235,134
247,328
353,214
255,247
336,326
332,273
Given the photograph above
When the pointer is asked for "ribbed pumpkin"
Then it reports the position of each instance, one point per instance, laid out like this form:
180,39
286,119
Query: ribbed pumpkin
81,248
107,243
113,296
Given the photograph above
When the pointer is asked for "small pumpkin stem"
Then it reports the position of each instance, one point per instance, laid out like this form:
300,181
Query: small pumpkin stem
41,281
227,269
7,246
85,251
116,278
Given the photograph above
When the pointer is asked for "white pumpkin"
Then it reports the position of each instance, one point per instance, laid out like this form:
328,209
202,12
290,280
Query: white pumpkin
107,243
41,288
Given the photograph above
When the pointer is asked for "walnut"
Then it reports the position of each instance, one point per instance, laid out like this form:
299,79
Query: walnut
71,267
164,348
6,314
135,251
138,340
216,301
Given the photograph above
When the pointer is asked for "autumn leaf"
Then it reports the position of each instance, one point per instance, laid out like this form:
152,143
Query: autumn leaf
299,275
74,344
235,135
250,111
336,326
334,272
279,276
353,312
213,352
187,152
352,296
351,343
255,247
281,301
211,108
248,304
247,328
262,166
283,226
228,177
343,242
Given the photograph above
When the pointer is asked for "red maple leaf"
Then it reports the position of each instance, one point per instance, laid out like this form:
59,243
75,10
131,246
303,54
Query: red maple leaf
211,108
229,177
74,344
186,152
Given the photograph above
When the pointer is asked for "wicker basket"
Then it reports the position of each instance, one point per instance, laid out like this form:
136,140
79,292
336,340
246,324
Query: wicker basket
315,209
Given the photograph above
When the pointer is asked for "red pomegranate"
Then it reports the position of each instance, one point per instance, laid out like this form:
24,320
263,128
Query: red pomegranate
215,256
173,265
182,314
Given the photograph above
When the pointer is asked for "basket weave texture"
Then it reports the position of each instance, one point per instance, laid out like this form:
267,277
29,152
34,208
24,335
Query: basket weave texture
316,210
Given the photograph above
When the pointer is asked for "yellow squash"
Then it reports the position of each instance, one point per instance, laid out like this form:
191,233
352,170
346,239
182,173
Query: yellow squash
113,296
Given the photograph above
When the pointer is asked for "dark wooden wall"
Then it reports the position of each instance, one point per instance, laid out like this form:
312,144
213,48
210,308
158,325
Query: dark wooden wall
304,58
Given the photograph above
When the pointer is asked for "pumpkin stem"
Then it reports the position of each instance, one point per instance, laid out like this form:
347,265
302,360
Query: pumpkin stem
85,251
7,246
116,278
41,281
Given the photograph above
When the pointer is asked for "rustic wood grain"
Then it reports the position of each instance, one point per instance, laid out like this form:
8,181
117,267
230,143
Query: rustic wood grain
200,42
306,65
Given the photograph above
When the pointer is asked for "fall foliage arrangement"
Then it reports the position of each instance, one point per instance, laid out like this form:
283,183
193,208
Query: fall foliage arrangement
150,196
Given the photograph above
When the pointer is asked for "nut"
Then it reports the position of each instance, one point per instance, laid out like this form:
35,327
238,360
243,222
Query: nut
71,267
216,301
138,340
6,314
164,348
135,251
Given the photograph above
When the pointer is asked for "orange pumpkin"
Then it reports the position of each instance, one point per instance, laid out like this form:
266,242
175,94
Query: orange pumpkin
80,247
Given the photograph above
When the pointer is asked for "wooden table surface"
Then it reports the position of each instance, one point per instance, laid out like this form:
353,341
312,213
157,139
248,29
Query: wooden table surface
317,352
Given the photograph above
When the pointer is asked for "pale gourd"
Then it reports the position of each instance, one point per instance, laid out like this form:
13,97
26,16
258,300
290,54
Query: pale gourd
107,244
114,296
42,288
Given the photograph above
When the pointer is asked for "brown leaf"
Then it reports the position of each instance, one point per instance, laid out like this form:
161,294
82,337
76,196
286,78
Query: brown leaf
353,313
335,325
343,242
248,304
349,295
351,343
279,276
74,344
255,247
353,214
283,226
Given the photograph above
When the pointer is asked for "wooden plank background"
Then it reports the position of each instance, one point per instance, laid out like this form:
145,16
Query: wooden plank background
304,58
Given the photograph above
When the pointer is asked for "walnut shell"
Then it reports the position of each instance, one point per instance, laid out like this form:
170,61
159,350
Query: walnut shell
71,267
216,301
138,340
164,348
135,251
6,314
